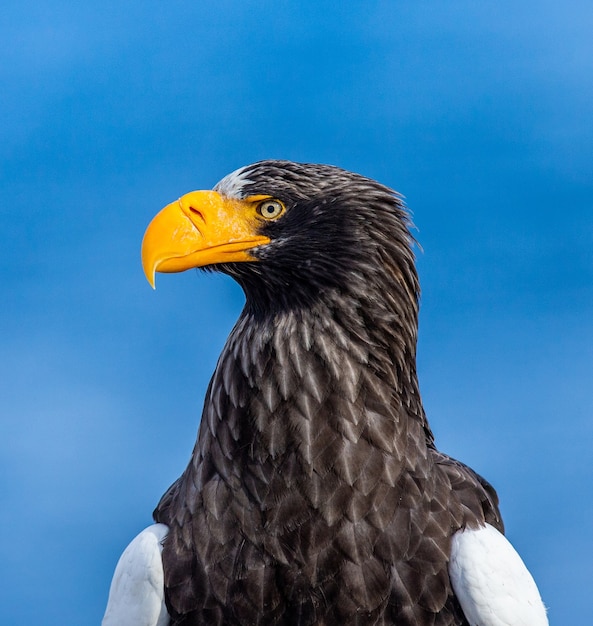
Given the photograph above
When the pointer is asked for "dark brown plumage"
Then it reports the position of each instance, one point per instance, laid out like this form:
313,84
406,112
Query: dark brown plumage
315,494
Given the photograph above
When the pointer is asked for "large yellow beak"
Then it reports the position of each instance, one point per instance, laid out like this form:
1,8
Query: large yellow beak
199,229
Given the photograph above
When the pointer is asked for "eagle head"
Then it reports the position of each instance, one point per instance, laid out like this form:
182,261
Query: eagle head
289,233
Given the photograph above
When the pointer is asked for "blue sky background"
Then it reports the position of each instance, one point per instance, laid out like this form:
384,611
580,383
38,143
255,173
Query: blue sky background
481,113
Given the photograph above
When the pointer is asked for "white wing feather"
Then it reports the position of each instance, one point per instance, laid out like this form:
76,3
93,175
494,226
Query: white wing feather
136,596
491,581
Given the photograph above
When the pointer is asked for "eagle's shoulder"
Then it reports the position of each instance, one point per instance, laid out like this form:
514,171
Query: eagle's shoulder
473,500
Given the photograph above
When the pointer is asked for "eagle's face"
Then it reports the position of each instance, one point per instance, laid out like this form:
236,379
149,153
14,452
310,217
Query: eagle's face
283,230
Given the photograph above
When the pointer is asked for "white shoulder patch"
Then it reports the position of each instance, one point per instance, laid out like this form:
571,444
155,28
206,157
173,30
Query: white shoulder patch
232,184
491,582
137,594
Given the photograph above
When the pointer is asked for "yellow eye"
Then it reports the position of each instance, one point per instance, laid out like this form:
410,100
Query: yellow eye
270,209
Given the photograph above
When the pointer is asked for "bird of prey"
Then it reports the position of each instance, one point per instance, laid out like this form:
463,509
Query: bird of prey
315,494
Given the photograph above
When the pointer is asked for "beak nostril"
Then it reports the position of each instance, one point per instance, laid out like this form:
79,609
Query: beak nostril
199,213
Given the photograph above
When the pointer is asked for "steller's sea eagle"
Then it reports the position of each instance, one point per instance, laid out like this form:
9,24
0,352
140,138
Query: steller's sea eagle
315,494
